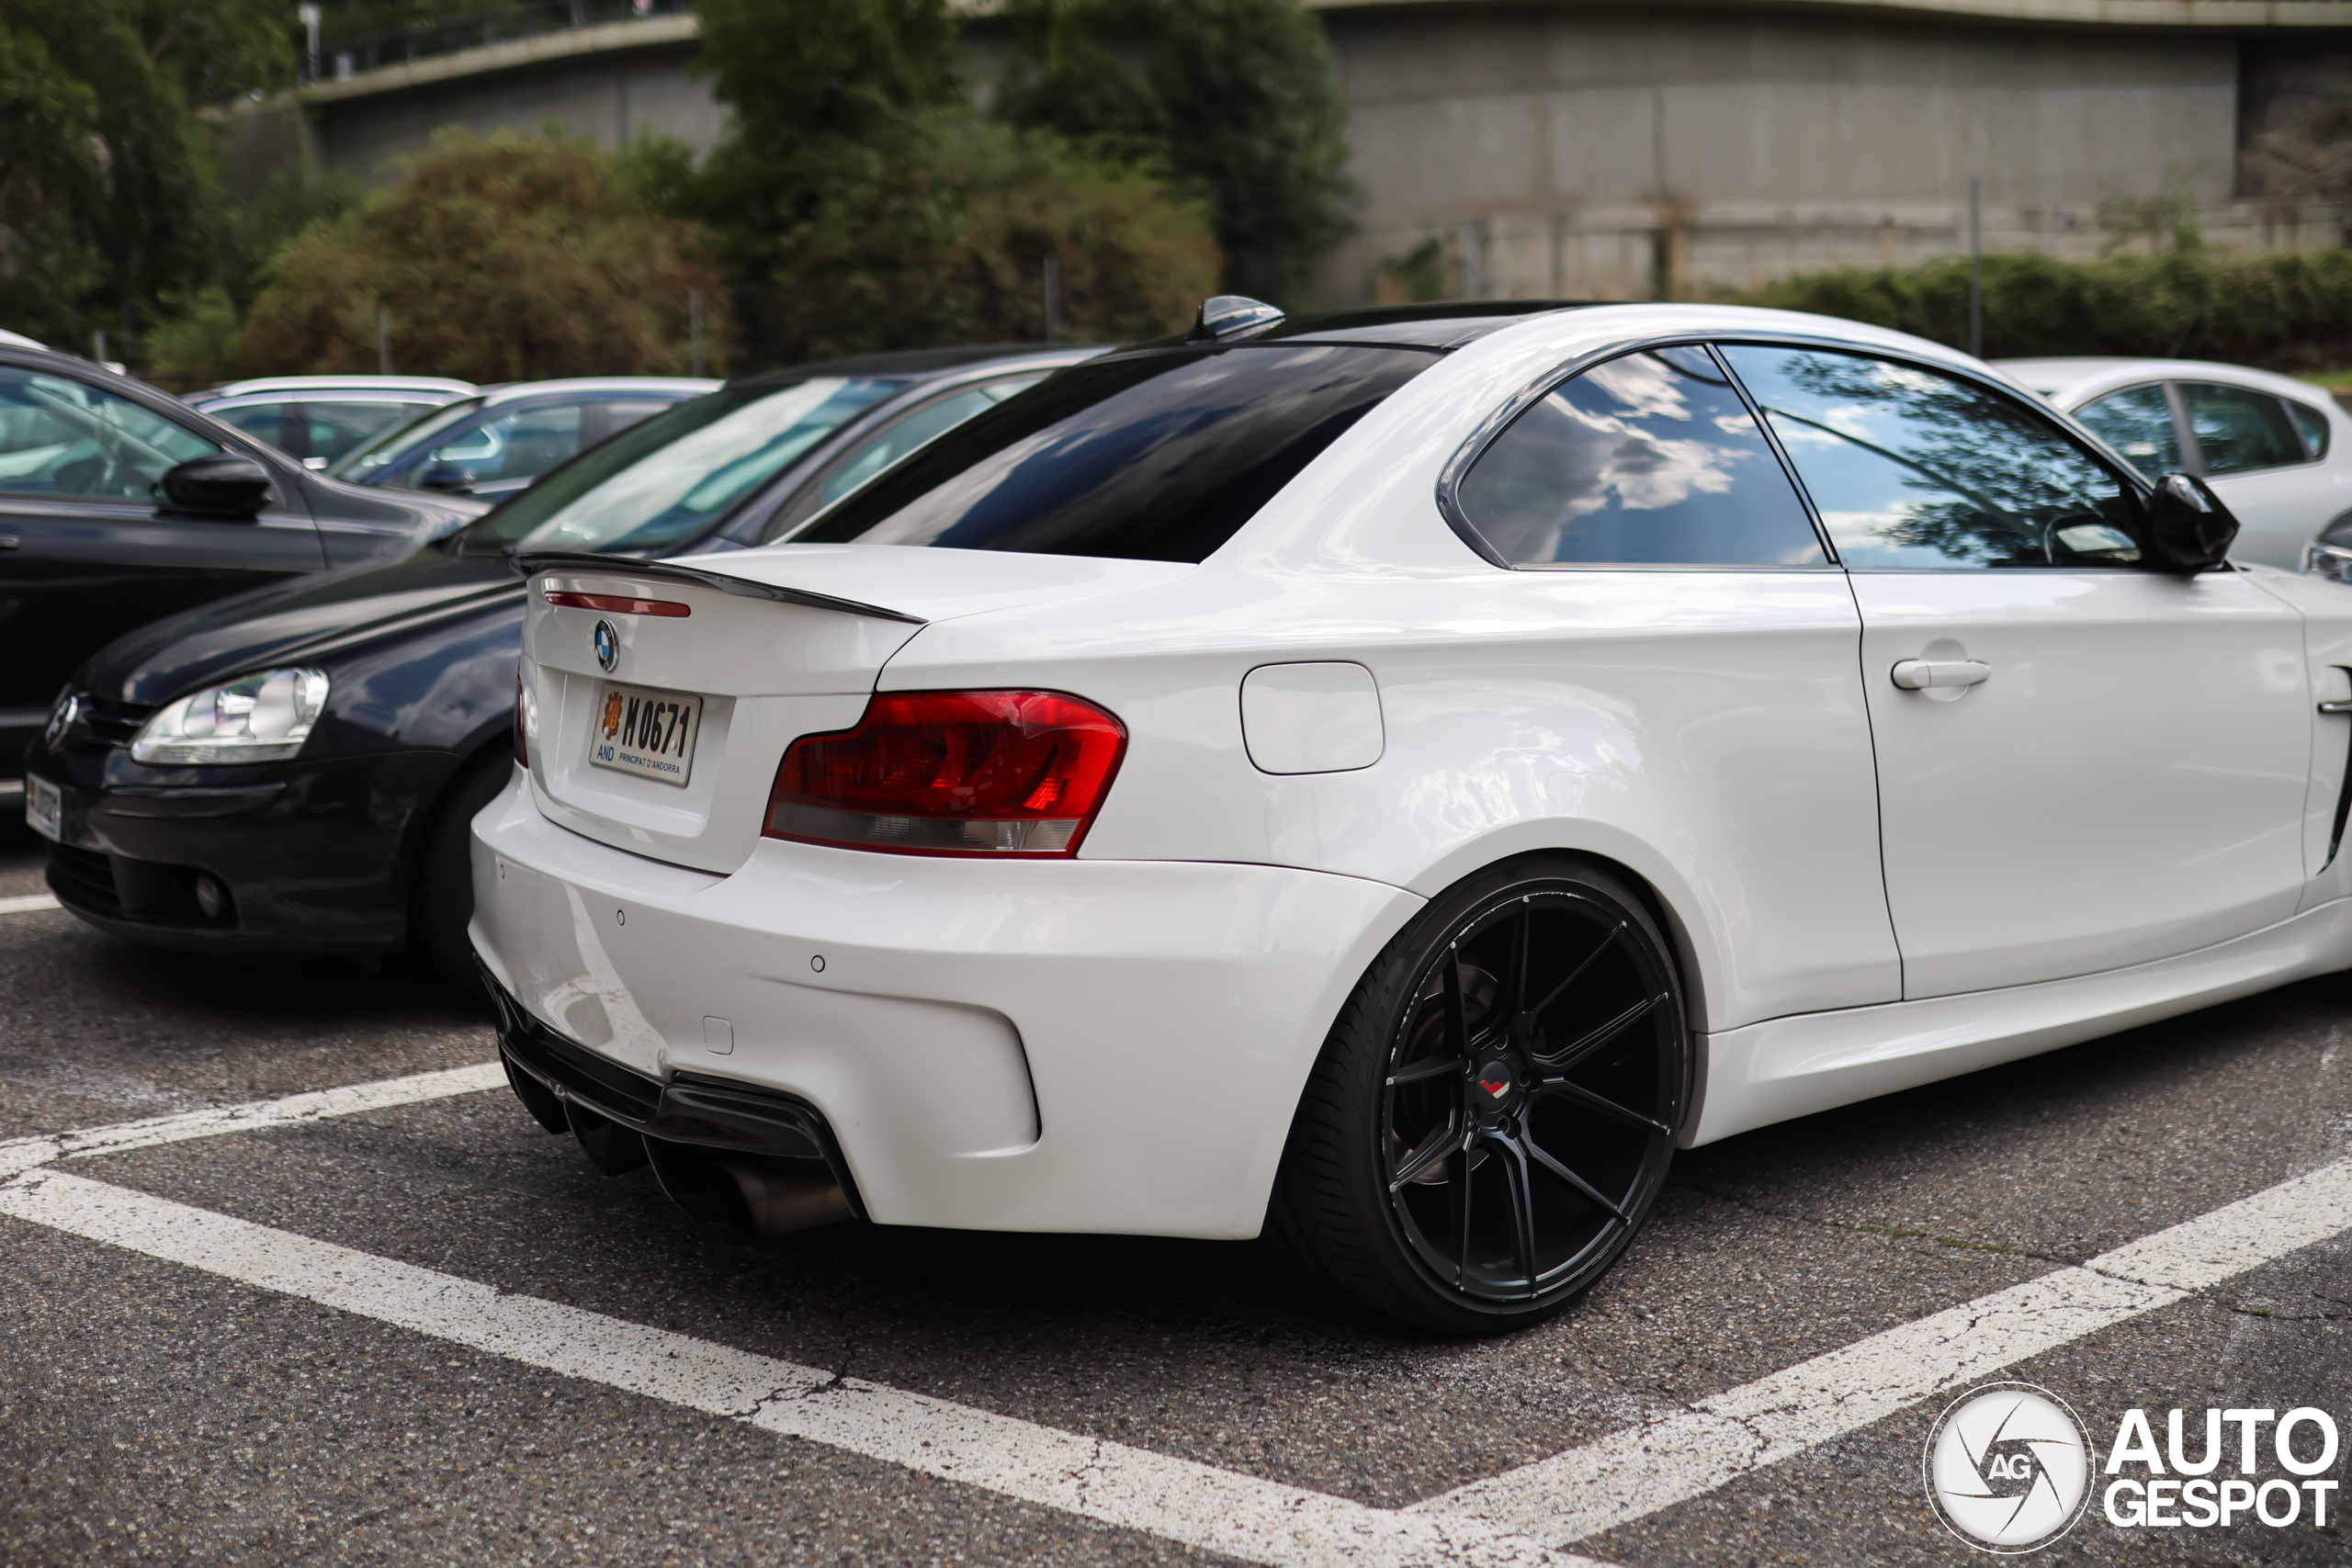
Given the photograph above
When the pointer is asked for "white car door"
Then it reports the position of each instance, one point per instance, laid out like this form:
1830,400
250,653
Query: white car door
2264,457
2100,763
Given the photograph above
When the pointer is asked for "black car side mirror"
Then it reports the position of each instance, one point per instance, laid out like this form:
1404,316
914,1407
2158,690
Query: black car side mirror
2189,528
223,485
447,478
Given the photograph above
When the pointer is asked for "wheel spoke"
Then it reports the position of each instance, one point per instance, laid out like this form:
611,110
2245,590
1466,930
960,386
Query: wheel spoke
1428,1068
1432,1149
1460,1197
1567,1056
1559,990
1522,946
1457,1014
1601,1103
1522,1205
1542,1156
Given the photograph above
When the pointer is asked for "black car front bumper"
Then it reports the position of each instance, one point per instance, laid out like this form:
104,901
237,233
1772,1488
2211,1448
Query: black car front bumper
307,859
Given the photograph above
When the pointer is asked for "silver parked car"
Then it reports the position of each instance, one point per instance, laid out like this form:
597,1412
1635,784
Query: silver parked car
2279,451
320,418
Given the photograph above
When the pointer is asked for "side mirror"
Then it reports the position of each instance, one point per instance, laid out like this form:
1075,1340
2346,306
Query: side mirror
2189,528
447,478
223,485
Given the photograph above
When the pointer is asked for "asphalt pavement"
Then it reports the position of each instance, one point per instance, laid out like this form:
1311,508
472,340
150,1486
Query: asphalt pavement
268,1342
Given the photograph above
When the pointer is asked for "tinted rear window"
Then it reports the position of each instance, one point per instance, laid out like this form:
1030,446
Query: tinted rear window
1157,456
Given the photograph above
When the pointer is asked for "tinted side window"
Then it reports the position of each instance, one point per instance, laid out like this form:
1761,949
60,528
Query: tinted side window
868,458
1913,470
335,428
1649,459
2239,430
60,437
2136,422
280,424
1159,455
2312,425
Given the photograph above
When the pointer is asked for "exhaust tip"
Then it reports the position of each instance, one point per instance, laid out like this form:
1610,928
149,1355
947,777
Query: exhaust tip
754,1195
781,1195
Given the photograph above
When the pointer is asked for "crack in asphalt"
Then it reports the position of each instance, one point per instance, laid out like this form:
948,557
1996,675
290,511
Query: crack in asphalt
1896,1231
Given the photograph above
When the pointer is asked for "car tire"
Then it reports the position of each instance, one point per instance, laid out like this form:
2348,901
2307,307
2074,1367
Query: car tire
441,903
1494,1110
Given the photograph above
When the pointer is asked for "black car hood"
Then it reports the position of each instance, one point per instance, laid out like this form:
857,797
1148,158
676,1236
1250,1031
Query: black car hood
307,620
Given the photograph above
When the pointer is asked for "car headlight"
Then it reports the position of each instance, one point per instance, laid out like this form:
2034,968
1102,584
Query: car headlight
262,717
2325,557
2330,555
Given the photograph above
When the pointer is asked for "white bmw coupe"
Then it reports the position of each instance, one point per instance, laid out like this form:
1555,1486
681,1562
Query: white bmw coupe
1390,778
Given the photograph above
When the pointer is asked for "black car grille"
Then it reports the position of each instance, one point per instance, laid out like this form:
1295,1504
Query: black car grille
83,879
111,724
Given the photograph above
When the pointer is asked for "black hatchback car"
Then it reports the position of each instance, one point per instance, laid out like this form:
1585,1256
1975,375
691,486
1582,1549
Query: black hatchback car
119,504
293,772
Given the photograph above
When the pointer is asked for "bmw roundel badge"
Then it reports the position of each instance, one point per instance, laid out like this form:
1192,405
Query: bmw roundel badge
608,645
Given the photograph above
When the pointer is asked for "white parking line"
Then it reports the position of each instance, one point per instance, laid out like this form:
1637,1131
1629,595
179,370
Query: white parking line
1503,1519
24,1154
1636,1472
27,904
1199,1505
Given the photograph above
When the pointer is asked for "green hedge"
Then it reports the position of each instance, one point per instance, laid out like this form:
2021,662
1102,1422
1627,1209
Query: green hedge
2289,310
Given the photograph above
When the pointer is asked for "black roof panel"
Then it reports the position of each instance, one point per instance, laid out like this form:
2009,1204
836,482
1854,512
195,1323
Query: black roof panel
913,364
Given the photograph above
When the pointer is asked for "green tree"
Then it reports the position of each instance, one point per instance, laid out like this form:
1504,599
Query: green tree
864,204
939,237
802,75
109,185
506,259
1236,99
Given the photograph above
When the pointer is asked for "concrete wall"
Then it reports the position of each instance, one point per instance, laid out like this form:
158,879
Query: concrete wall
1596,153
1584,149
610,83
609,98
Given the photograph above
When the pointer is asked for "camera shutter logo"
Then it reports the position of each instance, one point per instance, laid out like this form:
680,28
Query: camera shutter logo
608,645
2008,1468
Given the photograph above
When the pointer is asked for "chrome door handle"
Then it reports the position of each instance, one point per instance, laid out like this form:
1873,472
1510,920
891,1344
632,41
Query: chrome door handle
2335,707
1935,674
9,541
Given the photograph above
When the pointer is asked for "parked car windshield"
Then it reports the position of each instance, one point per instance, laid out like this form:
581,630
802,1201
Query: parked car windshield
665,481
360,463
1159,454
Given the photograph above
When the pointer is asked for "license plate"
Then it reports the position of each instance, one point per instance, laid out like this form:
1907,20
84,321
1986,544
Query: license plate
43,807
648,733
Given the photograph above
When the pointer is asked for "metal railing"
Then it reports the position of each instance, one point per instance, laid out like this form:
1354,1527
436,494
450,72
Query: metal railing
500,24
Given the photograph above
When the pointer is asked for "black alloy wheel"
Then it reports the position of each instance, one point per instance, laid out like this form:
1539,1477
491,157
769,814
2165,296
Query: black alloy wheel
1493,1115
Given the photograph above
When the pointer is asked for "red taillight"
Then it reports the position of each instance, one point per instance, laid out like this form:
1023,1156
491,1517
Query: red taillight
617,603
522,735
951,773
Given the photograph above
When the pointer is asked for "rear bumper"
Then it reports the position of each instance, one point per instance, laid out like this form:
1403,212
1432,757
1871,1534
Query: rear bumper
1048,1045
708,1112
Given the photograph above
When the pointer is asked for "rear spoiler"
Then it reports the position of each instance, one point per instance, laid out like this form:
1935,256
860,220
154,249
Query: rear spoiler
669,571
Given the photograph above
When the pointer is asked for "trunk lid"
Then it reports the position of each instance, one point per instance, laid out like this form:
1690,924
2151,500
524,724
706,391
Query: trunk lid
717,663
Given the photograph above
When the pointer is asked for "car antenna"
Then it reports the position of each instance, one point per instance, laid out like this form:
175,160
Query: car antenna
1223,315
